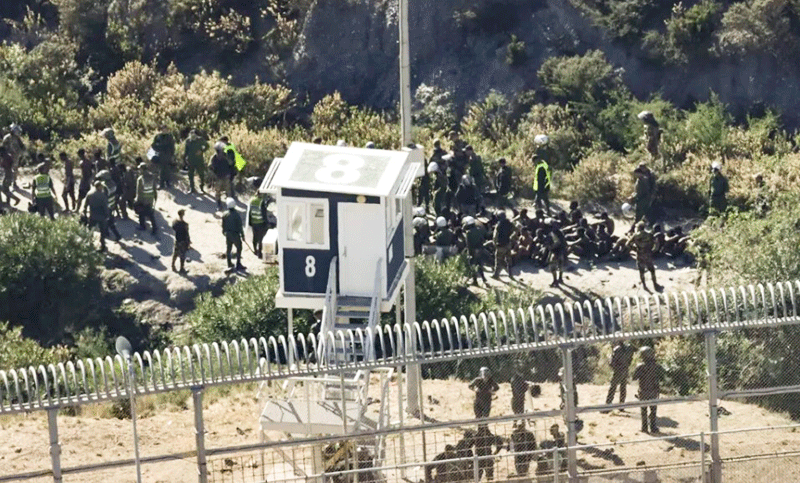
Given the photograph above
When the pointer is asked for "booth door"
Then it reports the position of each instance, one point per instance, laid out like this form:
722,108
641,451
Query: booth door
362,241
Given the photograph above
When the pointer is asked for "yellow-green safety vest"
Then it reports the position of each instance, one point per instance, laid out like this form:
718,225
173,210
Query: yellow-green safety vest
255,211
42,182
546,167
148,192
111,189
239,160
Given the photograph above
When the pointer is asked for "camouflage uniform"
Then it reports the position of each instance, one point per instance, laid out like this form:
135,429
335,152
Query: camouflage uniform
649,374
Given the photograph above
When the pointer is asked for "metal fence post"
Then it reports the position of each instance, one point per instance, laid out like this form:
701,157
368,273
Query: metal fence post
711,354
570,415
703,475
200,432
55,446
556,465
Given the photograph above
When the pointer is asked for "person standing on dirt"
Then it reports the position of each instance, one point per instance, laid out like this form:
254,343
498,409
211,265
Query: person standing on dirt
475,237
164,148
221,169
643,242
114,147
182,241
111,194
15,148
522,441
621,358
649,373
484,388
68,193
645,189
87,173
194,151
717,191
502,182
557,251
652,134
7,165
520,386
233,229
487,444
42,192
476,170
146,196
502,244
97,208
257,219
541,173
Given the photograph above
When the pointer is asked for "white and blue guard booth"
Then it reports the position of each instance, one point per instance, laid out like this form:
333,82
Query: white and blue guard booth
345,202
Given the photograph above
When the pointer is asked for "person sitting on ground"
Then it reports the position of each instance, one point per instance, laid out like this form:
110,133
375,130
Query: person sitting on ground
675,242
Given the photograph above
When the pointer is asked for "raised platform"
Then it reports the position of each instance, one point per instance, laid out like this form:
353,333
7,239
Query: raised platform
298,416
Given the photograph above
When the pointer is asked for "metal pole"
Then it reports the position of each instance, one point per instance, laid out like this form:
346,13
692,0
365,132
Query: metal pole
405,76
199,434
570,415
556,465
412,370
55,447
131,393
711,354
290,317
703,476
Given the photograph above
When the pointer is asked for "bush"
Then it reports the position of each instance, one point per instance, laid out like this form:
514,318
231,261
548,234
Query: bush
440,289
515,52
334,119
246,309
434,108
595,178
49,276
687,33
17,351
583,80
759,26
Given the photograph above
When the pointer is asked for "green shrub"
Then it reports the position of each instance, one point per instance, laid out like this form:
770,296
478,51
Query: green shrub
759,26
334,119
434,108
583,80
595,178
684,360
17,351
441,291
49,276
246,309
515,52
687,33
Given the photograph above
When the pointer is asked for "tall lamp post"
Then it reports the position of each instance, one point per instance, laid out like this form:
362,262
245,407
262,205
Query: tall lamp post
124,349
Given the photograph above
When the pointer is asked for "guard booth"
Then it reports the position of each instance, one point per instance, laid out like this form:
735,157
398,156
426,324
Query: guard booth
344,234
343,203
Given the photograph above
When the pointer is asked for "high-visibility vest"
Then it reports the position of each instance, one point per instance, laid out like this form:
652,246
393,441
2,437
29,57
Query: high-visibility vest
148,191
42,182
546,167
114,151
239,160
255,211
111,189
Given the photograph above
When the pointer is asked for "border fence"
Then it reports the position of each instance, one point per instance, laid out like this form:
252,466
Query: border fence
557,328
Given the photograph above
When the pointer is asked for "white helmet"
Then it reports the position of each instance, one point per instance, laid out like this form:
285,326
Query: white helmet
15,128
220,146
433,167
341,143
441,222
627,209
469,221
230,203
466,180
716,165
419,211
419,222
369,145
107,132
541,139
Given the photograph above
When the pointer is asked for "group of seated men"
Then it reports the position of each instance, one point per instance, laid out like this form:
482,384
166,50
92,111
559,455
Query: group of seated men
493,238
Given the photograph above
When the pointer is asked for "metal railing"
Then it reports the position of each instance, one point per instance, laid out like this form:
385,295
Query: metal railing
553,326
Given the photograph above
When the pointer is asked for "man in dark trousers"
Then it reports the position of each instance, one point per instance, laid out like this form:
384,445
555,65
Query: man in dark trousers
486,444
522,441
146,195
649,373
68,193
233,229
97,208
220,168
164,148
87,173
257,219
621,358
502,244
182,241
42,191
717,191
541,183
484,387
520,386
643,242
503,183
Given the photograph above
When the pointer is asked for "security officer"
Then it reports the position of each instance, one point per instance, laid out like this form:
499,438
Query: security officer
717,191
503,182
221,169
643,242
111,199
233,230
194,149
542,176
42,191
114,147
475,236
164,147
649,373
621,358
257,219
146,195
97,207
15,148
522,441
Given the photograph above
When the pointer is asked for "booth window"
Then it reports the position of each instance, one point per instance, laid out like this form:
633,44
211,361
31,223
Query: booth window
307,224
